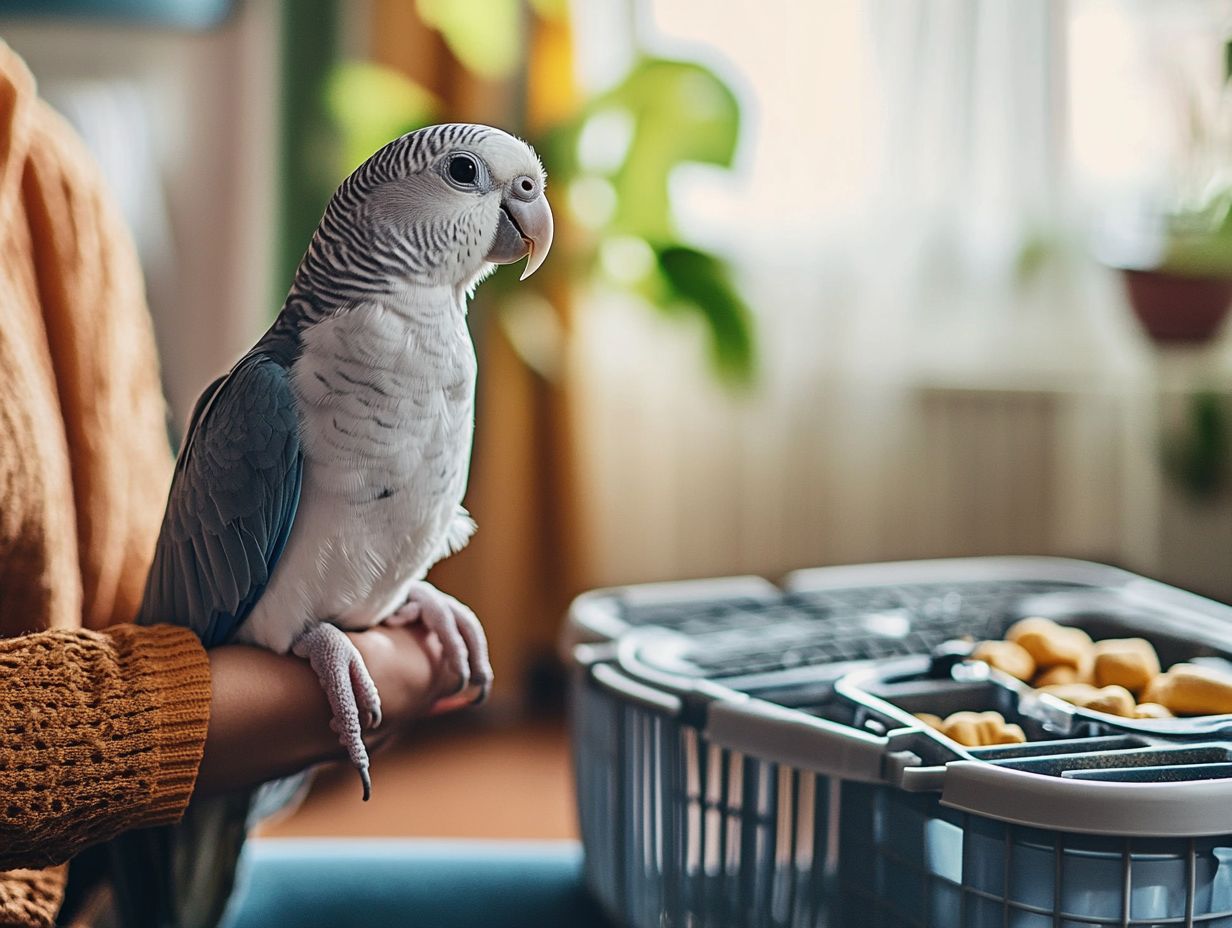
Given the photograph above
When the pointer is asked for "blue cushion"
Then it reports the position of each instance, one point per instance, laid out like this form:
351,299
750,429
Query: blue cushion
410,883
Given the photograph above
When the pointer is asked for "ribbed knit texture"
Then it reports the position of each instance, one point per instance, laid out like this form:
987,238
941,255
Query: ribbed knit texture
99,732
102,731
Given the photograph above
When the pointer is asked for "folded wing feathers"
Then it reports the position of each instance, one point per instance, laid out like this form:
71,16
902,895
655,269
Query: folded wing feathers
235,492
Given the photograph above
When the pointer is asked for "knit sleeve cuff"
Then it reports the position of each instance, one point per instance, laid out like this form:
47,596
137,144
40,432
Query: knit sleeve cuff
176,673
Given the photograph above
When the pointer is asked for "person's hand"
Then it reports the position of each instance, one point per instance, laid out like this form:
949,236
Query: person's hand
412,679
269,717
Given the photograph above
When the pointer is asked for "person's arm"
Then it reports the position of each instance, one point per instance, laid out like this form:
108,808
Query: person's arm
101,732
270,718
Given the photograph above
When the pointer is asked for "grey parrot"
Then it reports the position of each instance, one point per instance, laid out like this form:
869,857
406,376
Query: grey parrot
323,476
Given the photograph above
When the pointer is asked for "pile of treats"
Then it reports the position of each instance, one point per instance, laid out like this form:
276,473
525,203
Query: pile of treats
1119,676
976,729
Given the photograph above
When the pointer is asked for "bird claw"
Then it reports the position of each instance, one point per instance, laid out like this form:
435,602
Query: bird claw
348,687
464,646
485,690
372,715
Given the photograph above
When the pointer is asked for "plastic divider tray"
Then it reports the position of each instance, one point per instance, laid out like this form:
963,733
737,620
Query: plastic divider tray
748,756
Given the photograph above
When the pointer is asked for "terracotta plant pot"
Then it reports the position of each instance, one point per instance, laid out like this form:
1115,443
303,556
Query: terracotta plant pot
1178,308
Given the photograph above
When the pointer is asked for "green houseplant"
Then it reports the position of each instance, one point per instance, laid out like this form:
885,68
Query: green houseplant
1186,295
1181,287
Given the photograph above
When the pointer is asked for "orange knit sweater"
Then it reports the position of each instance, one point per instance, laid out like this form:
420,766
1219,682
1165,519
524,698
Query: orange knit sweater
100,731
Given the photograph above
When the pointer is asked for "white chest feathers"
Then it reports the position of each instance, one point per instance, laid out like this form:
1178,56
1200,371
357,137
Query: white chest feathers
386,397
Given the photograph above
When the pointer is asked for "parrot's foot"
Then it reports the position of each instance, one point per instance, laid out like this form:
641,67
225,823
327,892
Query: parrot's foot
349,688
464,646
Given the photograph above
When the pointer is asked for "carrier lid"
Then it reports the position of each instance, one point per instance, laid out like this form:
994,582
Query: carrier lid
1197,806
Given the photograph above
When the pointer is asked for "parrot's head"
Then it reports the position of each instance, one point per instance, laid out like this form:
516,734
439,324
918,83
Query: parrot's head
455,200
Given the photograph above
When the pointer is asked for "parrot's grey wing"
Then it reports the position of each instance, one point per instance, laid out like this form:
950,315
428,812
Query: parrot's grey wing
232,503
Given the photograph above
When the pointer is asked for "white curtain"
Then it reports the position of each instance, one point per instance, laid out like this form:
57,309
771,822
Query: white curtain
943,370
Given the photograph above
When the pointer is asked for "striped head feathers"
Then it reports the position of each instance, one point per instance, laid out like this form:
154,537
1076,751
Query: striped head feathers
439,207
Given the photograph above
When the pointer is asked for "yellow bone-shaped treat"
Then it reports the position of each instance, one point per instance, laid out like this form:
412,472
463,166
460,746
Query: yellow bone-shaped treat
974,729
1063,674
1115,700
1051,644
1010,734
1006,656
1191,689
1128,662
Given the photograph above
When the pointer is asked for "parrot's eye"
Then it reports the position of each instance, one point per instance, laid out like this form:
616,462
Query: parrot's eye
463,170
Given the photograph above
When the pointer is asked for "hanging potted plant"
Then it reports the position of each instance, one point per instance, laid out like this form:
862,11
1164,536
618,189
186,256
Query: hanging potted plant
1186,294
1177,266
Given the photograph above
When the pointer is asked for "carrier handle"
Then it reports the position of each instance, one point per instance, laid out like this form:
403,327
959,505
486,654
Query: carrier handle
611,679
1189,808
786,736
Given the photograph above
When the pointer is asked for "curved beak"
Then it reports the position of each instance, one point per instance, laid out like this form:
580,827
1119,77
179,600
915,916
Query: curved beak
525,228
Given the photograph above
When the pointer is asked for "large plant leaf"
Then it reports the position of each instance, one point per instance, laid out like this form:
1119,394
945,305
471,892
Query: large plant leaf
676,113
681,113
701,280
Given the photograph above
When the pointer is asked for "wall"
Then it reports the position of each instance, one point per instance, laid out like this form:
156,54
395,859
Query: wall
210,103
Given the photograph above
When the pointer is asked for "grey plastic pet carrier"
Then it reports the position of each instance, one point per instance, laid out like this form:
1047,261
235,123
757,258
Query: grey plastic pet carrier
748,755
